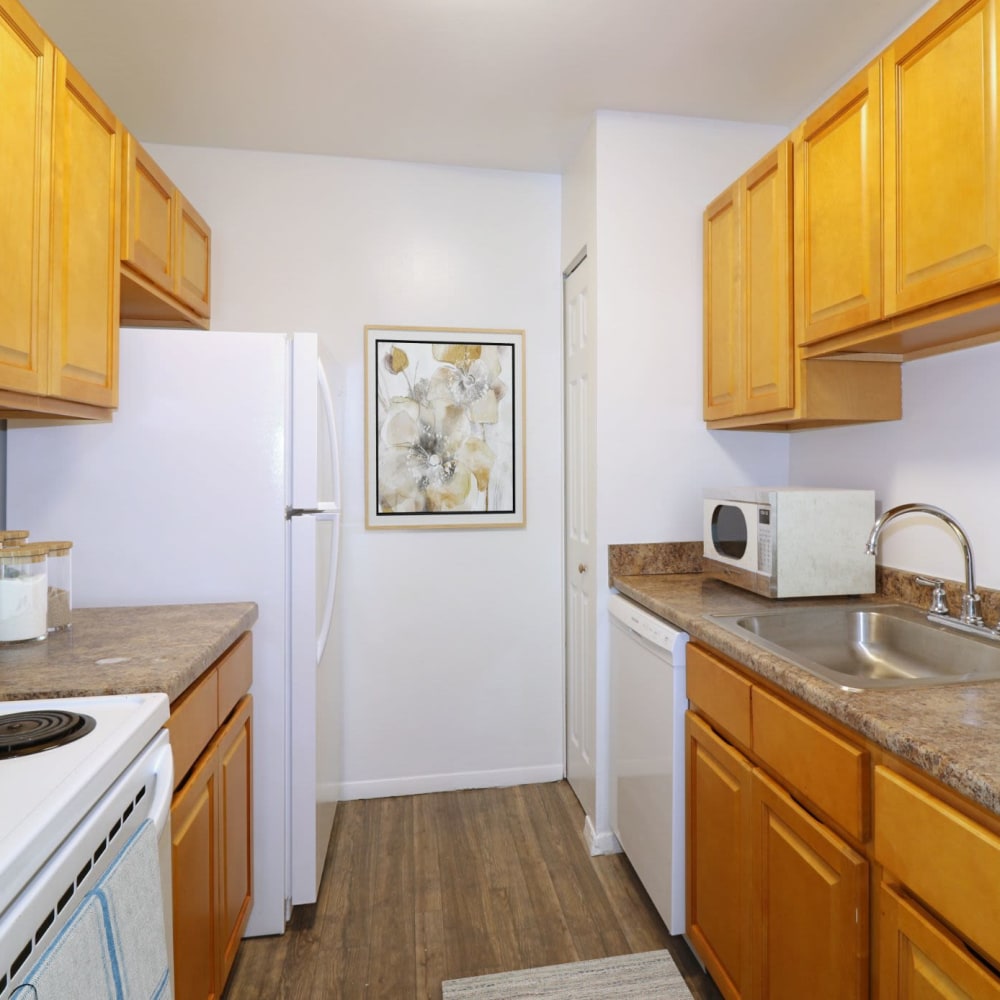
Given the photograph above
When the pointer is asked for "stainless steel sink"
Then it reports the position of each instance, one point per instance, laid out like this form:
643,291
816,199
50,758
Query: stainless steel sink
875,646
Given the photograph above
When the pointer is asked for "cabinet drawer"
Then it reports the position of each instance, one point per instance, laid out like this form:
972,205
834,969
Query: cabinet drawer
828,771
194,718
235,669
721,693
944,858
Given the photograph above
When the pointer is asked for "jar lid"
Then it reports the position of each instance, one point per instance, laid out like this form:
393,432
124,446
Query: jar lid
24,553
12,537
56,548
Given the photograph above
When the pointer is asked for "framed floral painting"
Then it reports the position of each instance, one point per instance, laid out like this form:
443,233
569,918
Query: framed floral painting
444,427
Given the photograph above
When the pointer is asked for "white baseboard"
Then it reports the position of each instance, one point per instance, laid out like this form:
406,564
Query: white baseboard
421,784
600,843
328,791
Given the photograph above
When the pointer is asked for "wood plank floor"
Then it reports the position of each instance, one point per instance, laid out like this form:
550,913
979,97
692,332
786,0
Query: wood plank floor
425,888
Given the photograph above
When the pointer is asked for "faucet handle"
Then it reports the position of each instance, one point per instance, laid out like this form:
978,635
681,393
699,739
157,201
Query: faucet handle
939,606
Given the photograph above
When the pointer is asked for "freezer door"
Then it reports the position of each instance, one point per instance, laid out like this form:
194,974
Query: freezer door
314,468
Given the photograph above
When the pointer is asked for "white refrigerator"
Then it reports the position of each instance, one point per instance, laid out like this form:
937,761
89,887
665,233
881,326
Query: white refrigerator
217,481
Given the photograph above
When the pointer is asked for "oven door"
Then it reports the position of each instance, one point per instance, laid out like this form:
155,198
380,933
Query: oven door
45,906
731,533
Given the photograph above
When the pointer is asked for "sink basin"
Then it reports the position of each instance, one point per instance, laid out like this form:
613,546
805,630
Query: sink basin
875,646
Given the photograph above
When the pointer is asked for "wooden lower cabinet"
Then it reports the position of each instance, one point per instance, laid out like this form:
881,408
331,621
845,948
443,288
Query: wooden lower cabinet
919,959
211,733
235,832
822,866
212,860
777,903
194,824
809,898
718,889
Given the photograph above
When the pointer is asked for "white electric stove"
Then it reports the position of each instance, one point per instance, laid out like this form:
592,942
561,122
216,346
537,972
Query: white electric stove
68,809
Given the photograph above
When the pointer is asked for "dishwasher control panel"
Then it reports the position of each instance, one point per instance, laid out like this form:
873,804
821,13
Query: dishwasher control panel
644,623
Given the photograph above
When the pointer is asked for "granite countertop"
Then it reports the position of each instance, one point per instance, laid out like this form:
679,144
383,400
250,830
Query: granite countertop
950,731
124,651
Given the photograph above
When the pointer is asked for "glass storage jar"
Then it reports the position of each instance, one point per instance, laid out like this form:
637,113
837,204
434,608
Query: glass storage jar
23,593
60,571
9,538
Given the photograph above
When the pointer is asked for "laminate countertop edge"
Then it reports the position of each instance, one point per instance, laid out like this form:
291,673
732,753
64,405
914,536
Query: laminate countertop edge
951,732
124,650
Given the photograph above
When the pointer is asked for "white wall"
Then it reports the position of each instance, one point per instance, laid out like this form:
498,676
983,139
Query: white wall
450,640
655,175
942,452
635,196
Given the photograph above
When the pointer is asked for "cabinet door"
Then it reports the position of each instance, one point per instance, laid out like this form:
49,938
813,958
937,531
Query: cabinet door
235,745
194,823
83,312
920,960
942,183
838,212
718,853
26,58
810,892
767,285
723,351
193,263
150,217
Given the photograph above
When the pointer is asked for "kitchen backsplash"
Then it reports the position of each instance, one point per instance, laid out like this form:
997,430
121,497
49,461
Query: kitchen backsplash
656,558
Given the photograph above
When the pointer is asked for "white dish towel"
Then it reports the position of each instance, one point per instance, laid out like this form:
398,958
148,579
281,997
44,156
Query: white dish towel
115,946
77,964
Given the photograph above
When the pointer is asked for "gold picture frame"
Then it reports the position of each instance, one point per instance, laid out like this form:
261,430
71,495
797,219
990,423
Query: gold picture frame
444,427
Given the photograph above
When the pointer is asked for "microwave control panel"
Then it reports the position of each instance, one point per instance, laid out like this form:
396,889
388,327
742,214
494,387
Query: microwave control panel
764,546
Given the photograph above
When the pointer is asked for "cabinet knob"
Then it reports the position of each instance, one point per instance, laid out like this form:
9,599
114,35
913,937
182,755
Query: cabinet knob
582,568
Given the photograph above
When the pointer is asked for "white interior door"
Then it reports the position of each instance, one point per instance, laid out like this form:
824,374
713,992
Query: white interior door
580,543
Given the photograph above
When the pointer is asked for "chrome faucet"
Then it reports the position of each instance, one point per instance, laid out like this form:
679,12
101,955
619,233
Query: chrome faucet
970,599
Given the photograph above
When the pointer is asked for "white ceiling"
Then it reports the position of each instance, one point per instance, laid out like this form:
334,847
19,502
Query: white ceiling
495,83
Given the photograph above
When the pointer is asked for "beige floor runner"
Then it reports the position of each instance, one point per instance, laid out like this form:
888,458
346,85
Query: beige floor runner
650,975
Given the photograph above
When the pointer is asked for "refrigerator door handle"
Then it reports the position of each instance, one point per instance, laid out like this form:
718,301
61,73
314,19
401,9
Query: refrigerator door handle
328,511
331,583
326,400
322,510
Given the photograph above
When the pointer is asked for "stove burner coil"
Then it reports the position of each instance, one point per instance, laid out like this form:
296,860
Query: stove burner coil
23,733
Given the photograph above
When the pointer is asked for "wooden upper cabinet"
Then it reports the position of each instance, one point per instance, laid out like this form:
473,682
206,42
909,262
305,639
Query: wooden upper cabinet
768,349
942,177
166,248
148,234
754,373
83,312
838,212
59,222
747,332
26,60
722,306
192,281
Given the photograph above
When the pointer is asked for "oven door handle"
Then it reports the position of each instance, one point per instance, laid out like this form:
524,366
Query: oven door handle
159,809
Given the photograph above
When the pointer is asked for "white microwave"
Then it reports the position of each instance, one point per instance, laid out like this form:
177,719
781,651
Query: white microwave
790,541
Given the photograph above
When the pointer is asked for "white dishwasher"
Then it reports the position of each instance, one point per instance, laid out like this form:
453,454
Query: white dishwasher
648,700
